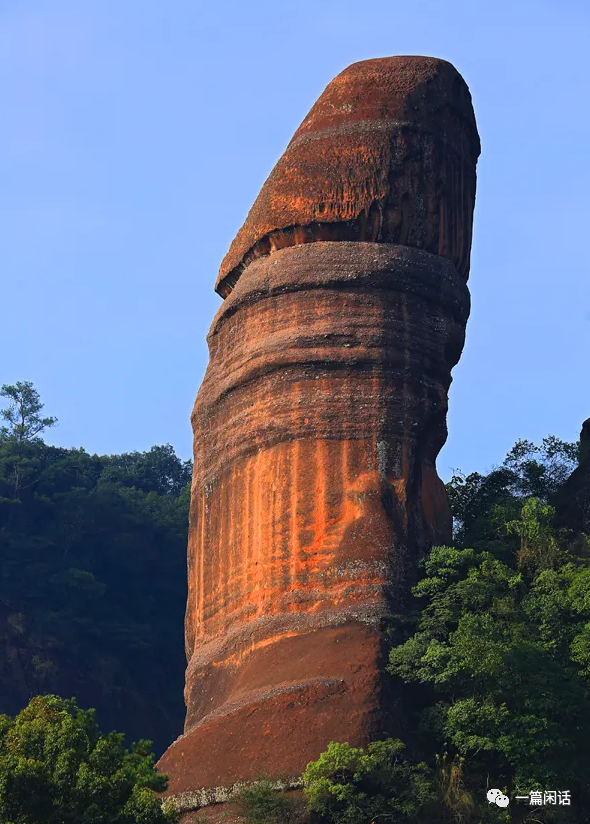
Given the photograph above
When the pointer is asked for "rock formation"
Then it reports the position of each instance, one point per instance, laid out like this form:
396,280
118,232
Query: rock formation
318,423
573,506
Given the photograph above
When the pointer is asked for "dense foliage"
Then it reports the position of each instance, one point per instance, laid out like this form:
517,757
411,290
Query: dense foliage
57,768
502,664
482,504
355,786
261,803
92,575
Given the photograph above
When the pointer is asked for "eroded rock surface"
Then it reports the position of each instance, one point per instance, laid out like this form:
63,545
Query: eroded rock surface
387,154
319,420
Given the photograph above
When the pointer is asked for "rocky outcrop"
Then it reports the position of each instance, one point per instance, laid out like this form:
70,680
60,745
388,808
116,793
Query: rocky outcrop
319,420
573,506
387,154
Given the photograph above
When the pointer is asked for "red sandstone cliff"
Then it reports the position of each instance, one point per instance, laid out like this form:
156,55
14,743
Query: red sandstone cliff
319,420
386,154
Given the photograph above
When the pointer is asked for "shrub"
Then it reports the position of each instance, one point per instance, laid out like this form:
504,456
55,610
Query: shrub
350,785
262,803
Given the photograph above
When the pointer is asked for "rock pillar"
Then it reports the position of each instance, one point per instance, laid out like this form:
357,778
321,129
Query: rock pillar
318,423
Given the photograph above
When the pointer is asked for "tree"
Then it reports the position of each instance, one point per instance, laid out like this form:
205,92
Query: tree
541,545
19,438
498,668
22,414
482,504
263,803
93,578
351,785
57,768
159,470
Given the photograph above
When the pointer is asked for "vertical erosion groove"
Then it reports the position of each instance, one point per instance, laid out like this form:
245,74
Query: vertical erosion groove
316,431
319,420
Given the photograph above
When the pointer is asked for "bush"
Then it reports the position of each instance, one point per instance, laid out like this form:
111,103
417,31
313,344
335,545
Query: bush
349,785
262,803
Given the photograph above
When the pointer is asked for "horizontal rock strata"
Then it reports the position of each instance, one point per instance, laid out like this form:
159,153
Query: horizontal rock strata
387,154
316,432
318,424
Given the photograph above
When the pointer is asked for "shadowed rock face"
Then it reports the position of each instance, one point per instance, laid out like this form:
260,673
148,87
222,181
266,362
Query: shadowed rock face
319,420
573,508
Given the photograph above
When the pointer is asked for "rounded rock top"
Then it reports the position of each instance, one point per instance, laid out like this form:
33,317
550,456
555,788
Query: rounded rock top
386,154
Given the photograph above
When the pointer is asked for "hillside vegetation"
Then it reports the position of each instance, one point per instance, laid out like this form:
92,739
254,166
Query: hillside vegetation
493,663
491,658
92,576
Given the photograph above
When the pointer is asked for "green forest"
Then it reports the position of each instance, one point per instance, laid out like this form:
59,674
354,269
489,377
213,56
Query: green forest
491,658
92,576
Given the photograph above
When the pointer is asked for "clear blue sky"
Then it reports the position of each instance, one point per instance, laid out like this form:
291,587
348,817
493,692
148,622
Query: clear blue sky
136,135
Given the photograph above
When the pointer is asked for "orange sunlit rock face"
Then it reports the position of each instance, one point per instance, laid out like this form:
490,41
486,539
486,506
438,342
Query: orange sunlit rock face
319,421
387,154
